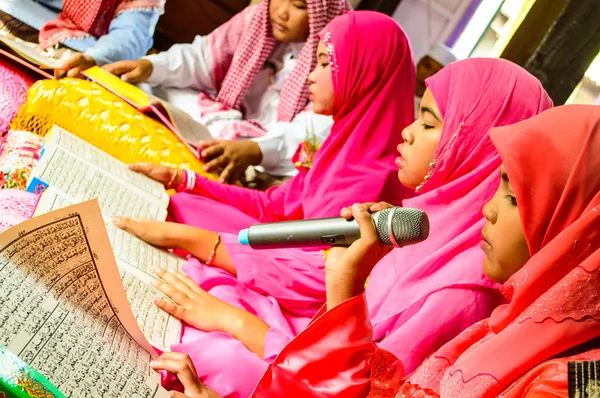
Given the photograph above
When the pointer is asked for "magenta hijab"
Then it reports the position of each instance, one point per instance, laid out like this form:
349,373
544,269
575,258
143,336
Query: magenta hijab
373,81
473,96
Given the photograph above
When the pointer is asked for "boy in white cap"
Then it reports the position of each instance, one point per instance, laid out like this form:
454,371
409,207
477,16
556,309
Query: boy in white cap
437,57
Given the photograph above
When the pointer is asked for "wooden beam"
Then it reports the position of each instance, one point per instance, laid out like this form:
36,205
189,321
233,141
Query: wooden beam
532,30
568,49
385,6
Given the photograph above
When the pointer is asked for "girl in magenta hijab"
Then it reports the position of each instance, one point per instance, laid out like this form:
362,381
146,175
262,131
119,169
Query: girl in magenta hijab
242,310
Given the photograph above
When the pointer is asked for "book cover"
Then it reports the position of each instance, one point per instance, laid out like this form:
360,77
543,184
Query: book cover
30,55
189,131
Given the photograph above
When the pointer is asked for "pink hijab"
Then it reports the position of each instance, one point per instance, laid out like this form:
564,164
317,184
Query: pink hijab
373,88
473,95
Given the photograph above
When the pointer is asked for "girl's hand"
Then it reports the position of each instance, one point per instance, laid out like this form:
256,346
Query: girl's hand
193,305
232,157
157,233
168,176
372,208
347,269
181,366
131,71
77,63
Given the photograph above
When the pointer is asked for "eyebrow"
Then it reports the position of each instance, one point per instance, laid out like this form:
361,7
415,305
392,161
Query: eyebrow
323,55
429,110
504,177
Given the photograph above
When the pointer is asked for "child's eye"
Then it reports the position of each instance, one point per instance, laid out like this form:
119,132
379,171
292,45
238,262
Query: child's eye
300,6
511,199
426,126
324,65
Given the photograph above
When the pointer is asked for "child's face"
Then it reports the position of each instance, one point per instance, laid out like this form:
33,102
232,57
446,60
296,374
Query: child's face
289,20
321,84
421,140
503,238
426,68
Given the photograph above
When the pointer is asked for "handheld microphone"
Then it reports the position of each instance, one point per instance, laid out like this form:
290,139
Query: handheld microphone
396,226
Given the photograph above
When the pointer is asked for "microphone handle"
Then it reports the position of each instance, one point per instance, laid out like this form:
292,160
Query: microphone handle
290,234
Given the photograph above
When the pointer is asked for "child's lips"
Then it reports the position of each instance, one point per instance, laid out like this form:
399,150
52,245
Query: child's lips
278,26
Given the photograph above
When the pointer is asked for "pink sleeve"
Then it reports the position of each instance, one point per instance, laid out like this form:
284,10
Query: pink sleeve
423,328
275,342
294,277
330,358
267,206
277,339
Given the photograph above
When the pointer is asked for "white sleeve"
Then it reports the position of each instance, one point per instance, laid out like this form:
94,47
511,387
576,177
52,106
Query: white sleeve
183,66
280,143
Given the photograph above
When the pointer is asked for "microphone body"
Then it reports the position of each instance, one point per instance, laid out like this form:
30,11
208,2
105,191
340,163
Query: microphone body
395,226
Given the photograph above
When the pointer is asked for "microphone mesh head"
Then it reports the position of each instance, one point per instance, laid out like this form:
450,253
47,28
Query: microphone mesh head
408,226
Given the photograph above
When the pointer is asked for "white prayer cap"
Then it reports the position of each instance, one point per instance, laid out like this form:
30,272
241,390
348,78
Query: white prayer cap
442,54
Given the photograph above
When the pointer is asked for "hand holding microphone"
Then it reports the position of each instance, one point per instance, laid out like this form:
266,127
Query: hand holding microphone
361,237
347,269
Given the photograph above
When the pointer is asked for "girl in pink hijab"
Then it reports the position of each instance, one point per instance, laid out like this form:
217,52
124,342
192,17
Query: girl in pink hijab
441,278
235,322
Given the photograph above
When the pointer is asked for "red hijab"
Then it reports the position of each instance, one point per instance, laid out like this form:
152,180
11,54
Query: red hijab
81,18
552,161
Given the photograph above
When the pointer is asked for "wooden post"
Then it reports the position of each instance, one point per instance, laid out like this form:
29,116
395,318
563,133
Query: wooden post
532,30
568,49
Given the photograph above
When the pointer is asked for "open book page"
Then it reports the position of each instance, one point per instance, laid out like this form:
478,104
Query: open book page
135,259
82,172
188,128
63,309
19,380
31,52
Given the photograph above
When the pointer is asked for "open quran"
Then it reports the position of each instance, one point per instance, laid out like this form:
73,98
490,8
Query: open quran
75,322
72,171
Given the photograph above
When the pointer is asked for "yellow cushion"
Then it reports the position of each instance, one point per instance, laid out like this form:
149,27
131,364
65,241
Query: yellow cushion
104,120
